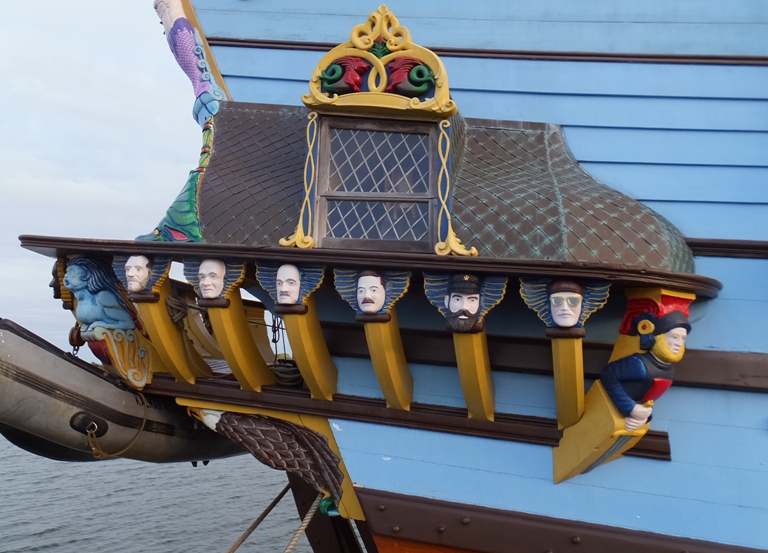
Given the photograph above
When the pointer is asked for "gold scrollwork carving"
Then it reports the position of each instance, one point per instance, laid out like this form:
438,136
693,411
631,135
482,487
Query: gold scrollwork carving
129,357
384,24
299,238
450,245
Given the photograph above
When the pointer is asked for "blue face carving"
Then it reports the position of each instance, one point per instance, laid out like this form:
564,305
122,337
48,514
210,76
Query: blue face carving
74,278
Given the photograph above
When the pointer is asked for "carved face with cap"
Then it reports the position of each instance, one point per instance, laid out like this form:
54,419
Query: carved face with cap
669,337
137,273
565,302
210,278
287,284
371,292
463,302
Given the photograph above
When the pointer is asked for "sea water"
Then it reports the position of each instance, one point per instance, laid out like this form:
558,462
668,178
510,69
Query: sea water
124,506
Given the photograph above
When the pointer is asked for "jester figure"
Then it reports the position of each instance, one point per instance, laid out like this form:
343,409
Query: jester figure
634,381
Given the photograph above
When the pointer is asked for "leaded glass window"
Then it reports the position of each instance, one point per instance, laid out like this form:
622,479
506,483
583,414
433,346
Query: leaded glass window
377,185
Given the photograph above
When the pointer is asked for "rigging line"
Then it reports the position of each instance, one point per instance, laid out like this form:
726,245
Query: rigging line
260,518
304,524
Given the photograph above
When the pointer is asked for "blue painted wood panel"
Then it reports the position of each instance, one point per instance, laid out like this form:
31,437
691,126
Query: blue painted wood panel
590,94
693,147
706,481
695,183
697,27
534,76
716,220
522,394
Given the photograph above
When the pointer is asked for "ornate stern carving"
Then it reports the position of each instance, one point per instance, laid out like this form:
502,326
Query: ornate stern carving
373,294
108,322
618,407
380,70
464,300
291,288
564,306
217,283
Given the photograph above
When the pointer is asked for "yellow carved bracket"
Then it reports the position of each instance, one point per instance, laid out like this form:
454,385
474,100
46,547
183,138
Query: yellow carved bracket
388,358
311,352
475,374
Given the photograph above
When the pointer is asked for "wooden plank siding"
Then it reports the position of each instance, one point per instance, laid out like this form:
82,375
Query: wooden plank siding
716,474
695,27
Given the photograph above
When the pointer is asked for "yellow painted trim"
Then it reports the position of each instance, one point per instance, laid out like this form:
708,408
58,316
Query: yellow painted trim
656,293
568,363
299,238
475,374
451,244
177,354
311,352
350,505
234,336
584,443
213,67
388,358
66,295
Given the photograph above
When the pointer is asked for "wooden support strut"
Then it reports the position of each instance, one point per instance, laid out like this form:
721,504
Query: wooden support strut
311,352
568,364
173,348
475,374
240,351
389,363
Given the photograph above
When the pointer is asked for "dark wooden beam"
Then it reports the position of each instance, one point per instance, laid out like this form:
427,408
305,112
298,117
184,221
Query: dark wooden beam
620,276
454,528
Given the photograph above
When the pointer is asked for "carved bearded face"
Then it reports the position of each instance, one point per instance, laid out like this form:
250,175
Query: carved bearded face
287,284
371,293
137,273
462,311
670,346
211,278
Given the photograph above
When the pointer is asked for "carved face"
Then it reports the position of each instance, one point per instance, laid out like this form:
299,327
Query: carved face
210,278
371,293
462,311
565,308
670,346
287,284
137,273
74,278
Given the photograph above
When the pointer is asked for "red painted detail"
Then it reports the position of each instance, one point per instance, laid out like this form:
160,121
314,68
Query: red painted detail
399,70
660,385
99,349
178,235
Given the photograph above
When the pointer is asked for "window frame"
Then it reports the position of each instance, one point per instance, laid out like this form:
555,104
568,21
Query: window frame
323,194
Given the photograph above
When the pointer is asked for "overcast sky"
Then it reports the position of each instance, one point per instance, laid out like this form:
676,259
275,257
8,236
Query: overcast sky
97,137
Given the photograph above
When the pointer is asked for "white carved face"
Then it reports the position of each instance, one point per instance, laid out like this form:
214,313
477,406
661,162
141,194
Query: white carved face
463,302
137,273
287,284
566,308
210,278
370,294
676,339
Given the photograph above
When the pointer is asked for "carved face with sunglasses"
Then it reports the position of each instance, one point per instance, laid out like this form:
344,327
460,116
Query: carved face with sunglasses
565,303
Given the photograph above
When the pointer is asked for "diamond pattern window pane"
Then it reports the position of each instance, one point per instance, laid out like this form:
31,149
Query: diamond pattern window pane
374,161
378,220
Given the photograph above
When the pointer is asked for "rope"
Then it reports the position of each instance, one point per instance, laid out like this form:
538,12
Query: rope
304,524
98,452
261,517
177,308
